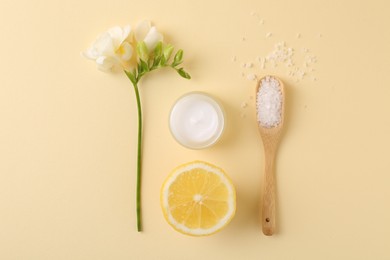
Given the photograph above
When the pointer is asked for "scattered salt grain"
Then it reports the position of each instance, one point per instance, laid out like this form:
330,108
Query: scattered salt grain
312,59
281,54
244,105
248,65
300,74
251,76
269,103
234,58
262,62
297,66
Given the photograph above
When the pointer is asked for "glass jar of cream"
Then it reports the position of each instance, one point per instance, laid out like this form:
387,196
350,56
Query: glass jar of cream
196,120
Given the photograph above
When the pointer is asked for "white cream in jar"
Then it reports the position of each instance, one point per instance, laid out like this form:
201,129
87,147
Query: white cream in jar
196,120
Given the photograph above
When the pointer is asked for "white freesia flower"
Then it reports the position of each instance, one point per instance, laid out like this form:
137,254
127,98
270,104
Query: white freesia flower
144,31
111,49
114,49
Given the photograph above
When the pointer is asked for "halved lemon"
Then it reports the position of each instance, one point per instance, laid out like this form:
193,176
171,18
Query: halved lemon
198,199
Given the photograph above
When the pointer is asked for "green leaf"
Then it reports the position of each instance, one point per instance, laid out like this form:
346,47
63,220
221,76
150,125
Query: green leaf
167,51
131,76
156,61
158,50
139,69
163,61
144,66
142,51
183,73
178,59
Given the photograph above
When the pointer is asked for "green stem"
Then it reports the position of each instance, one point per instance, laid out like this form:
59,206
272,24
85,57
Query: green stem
139,159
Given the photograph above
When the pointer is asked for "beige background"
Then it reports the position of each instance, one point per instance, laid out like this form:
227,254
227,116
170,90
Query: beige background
68,131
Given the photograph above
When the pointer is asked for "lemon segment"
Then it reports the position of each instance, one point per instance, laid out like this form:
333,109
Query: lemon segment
198,199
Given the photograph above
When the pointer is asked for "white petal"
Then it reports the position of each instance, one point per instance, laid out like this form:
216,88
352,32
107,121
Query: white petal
126,33
152,38
105,63
125,51
141,30
116,33
89,54
103,46
119,35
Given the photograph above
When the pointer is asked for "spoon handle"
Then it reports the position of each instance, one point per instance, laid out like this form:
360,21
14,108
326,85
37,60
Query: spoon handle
268,212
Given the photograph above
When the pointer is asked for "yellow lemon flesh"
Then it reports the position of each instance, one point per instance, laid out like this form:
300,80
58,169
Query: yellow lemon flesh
198,199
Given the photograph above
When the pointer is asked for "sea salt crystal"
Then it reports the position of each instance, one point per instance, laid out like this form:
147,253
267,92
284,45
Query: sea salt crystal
281,55
268,35
234,58
313,59
261,61
251,76
269,103
300,74
247,65
244,104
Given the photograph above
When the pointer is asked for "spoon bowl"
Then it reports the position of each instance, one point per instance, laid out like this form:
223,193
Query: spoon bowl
270,135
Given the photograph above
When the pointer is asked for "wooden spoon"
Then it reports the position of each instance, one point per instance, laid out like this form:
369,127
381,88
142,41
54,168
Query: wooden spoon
271,137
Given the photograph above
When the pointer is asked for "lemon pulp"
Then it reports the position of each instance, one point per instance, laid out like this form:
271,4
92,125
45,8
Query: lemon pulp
198,199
